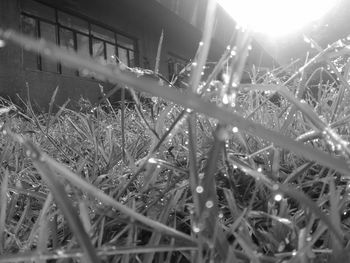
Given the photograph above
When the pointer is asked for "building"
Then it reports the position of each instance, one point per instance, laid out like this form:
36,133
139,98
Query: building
128,30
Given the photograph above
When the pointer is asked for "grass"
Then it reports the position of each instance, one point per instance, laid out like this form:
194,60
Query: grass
222,172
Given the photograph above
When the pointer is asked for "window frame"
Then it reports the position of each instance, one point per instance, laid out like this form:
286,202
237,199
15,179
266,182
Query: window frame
90,22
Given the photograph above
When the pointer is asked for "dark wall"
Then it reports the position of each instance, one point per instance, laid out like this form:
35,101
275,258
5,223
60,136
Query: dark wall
131,17
10,56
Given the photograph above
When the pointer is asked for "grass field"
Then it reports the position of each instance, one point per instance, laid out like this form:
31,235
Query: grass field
220,172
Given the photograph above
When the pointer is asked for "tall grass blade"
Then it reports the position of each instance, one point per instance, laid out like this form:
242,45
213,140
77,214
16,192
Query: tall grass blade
159,52
62,200
204,46
53,97
77,253
3,208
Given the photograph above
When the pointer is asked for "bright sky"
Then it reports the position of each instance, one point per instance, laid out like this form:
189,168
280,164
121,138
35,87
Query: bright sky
276,18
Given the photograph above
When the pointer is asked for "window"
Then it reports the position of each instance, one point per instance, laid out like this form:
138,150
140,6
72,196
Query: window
48,32
175,65
73,33
29,27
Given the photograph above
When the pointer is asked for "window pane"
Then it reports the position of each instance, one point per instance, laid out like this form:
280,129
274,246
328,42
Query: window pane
83,45
125,42
48,32
110,49
67,41
98,49
132,59
30,59
73,22
123,55
28,26
102,33
36,9
83,49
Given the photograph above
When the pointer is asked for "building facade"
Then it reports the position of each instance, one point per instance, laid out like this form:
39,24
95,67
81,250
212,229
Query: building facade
108,30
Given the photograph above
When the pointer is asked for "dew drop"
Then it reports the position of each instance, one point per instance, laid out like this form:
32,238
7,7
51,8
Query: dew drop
225,99
259,170
209,204
152,160
196,229
199,189
234,129
278,197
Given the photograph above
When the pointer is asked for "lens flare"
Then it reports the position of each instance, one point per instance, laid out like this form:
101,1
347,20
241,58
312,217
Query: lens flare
276,17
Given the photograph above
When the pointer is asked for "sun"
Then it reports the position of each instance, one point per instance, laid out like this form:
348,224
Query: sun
276,17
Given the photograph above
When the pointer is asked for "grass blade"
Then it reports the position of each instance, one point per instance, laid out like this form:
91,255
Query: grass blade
62,200
51,164
3,208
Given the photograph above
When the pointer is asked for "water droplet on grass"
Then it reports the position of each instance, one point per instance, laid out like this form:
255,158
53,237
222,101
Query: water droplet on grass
196,229
199,189
152,160
209,204
278,197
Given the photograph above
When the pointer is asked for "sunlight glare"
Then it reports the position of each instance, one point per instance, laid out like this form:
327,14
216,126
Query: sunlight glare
276,17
